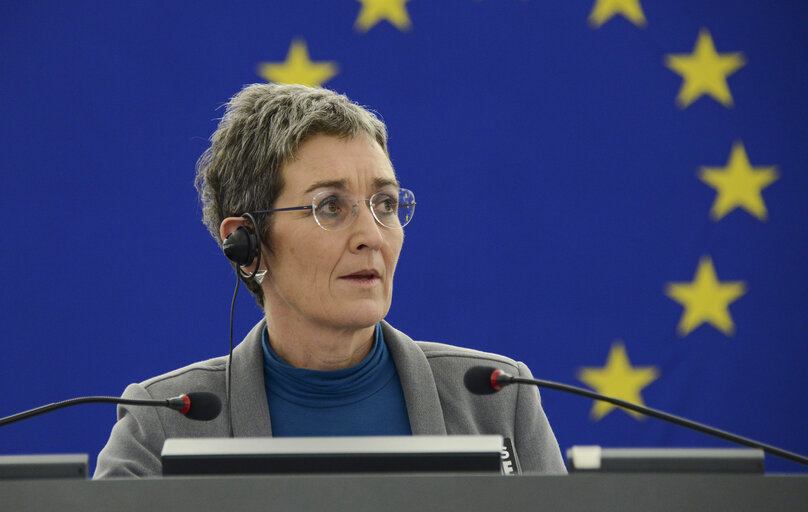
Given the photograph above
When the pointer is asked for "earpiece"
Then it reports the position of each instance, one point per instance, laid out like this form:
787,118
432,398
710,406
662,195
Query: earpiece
242,246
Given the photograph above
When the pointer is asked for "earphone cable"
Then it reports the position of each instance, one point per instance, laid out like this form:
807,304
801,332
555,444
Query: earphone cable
230,358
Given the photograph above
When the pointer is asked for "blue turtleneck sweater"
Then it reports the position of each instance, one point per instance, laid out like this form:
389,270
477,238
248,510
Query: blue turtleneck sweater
363,400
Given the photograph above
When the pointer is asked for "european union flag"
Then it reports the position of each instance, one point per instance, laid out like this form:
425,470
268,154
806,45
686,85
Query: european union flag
612,191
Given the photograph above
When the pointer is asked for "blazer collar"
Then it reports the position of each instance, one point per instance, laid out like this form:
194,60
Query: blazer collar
417,381
250,408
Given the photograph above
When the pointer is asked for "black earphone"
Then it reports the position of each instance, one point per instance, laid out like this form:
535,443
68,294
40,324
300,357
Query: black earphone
242,246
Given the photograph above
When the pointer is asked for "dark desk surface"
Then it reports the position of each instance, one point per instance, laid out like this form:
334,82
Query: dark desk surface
354,493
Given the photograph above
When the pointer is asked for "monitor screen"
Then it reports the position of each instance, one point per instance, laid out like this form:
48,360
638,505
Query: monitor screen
43,466
665,460
293,455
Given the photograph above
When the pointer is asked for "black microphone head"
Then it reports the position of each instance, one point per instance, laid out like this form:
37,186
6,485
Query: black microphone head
204,406
478,380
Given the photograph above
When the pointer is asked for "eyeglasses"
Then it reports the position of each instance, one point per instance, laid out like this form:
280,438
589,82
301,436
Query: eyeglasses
334,210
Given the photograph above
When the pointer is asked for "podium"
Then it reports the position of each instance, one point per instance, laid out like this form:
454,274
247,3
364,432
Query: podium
421,493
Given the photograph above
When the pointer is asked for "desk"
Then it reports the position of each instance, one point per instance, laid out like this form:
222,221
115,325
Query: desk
421,493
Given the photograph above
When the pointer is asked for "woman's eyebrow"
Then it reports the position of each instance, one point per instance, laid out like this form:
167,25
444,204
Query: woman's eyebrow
378,183
338,184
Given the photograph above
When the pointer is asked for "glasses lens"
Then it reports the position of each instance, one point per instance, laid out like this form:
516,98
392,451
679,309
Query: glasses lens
331,209
393,211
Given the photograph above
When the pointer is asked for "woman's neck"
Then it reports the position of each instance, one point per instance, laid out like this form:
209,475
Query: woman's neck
319,347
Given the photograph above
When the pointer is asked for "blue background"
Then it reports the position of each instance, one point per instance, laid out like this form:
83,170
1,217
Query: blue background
556,181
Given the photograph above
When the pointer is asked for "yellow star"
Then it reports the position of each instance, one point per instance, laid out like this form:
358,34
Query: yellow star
618,379
604,10
373,11
298,68
706,299
738,184
705,71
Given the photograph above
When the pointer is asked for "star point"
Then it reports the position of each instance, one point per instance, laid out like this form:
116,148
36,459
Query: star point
298,68
604,10
739,185
705,71
374,11
706,299
617,379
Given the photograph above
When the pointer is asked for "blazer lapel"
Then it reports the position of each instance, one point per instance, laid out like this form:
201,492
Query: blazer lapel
249,397
417,381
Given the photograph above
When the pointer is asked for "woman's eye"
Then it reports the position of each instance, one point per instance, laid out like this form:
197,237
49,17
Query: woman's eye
387,205
329,206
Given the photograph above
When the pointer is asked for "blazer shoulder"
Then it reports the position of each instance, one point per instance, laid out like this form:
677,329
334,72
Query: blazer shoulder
195,375
434,350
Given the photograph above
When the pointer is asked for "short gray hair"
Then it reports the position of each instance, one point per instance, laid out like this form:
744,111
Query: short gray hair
262,129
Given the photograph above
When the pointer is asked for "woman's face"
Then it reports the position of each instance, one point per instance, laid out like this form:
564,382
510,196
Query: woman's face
332,279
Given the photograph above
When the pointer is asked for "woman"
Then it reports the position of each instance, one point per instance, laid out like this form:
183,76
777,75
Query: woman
305,174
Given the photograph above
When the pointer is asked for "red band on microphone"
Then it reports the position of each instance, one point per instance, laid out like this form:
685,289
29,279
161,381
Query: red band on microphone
494,382
187,404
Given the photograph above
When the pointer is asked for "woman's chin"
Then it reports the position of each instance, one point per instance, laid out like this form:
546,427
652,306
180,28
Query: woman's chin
364,315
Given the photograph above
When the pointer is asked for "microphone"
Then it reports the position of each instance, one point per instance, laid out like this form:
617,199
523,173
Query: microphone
485,380
198,405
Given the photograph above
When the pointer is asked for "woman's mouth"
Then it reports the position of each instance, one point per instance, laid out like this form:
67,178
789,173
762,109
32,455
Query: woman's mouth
363,278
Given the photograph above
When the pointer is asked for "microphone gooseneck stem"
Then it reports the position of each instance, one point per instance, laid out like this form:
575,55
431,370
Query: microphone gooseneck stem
505,379
83,400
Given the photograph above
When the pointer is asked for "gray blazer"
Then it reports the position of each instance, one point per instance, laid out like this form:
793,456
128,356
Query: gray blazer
431,377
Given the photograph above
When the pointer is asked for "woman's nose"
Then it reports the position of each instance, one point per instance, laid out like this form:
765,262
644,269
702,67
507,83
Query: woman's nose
367,228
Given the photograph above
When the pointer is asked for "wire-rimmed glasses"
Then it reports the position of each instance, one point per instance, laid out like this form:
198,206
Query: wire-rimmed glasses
336,209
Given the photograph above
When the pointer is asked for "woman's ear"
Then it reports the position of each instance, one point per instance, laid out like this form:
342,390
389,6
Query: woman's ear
231,224
239,242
